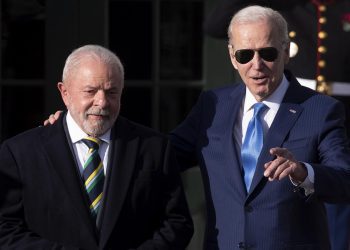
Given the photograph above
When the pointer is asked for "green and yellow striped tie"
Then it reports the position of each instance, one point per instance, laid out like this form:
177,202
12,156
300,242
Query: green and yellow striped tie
93,175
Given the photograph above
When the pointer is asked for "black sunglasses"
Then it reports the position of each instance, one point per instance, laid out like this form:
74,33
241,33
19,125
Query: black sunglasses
244,56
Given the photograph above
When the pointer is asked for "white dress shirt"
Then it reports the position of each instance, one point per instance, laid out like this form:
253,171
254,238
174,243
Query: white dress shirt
273,103
81,149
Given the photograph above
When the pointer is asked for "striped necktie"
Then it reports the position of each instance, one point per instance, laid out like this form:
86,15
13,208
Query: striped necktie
93,175
252,144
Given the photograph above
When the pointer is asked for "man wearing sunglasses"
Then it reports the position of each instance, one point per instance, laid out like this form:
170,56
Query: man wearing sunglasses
320,35
271,151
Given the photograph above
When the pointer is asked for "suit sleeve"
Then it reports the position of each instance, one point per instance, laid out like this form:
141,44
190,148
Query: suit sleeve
177,226
14,233
332,184
184,138
332,175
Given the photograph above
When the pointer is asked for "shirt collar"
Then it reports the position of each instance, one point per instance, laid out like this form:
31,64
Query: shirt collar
77,134
273,101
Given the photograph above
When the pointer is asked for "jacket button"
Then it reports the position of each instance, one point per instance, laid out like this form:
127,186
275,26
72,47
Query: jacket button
248,208
241,245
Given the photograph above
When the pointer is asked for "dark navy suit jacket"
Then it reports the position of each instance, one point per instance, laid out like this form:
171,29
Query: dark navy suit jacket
273,215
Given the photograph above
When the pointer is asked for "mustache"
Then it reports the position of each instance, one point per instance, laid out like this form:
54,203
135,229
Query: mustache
97,111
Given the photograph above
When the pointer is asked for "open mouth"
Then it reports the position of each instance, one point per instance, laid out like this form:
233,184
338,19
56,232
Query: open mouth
260,79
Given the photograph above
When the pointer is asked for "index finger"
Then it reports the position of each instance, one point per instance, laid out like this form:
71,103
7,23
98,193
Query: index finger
58,114
281,152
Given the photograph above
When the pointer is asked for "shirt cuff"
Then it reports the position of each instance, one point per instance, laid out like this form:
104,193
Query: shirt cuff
308,183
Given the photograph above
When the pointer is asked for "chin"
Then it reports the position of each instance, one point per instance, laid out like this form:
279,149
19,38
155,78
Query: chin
262,95
98,128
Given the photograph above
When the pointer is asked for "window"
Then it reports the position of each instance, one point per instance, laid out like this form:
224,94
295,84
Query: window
160,44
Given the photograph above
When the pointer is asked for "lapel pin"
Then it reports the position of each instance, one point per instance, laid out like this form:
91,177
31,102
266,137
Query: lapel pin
293,111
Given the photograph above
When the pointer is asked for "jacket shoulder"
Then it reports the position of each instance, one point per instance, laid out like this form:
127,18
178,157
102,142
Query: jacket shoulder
138,129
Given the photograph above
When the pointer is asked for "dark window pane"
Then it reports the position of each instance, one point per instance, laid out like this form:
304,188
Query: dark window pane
23,39
175,104
22,109
181,40
136,104
130,36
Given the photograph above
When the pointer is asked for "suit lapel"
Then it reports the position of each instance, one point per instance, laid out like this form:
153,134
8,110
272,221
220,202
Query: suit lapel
288,113
120,169
59,153
236,98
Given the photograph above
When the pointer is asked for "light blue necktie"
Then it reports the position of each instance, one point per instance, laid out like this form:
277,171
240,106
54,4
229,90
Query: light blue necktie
253,142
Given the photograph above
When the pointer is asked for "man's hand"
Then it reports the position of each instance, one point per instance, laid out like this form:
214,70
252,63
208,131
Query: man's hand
53,118
284,165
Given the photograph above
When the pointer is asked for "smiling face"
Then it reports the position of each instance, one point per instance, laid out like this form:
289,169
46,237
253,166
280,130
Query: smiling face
92,95
261,77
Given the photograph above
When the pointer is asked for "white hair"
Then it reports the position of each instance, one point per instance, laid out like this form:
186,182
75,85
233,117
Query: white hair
93,51
255,13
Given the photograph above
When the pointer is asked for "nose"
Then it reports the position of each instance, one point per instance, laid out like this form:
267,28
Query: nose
257,61
101,99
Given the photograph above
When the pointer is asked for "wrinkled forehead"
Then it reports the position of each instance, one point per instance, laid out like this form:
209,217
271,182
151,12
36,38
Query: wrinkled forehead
94,66
95,76
253,33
